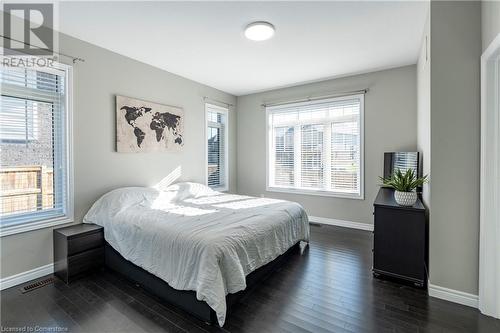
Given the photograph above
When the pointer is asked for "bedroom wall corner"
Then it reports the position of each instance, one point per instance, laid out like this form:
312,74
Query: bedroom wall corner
490,21
455,145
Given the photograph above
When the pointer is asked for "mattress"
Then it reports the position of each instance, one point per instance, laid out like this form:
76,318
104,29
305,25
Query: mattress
198,239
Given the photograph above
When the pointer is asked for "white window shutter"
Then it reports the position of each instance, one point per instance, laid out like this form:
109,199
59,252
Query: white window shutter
284,156
316,146
217,163
312,156
34,140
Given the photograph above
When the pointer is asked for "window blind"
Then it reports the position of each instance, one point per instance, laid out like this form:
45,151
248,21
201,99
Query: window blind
311,156
217,173
19,122
404,161
33,132
284,156
316,146
345,156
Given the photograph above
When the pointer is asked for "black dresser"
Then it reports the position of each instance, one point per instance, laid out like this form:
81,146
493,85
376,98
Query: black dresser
400,242
78,249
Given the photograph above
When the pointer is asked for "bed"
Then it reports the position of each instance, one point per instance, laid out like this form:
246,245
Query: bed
194,246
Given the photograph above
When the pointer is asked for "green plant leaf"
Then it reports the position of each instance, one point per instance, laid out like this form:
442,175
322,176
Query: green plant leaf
404,182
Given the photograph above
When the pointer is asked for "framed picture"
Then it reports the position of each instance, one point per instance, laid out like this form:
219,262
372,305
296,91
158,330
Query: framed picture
143,126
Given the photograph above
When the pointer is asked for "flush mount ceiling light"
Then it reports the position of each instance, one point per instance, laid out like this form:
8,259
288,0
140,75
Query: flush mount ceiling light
259,31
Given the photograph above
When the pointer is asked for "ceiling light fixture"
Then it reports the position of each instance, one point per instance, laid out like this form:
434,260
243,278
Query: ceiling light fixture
259,31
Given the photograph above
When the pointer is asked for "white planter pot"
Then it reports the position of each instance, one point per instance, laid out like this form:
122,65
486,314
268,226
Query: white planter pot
405,198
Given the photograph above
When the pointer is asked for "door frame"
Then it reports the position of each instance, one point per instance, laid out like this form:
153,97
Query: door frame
489,235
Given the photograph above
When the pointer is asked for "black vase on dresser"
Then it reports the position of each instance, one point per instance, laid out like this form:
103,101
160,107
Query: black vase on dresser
400,242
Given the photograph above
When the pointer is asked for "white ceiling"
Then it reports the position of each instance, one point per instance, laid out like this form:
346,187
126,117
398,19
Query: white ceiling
204,41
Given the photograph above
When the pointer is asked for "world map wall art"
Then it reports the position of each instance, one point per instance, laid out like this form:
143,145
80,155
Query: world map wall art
148,127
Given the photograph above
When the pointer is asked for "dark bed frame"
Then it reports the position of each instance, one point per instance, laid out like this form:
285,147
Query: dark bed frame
184,299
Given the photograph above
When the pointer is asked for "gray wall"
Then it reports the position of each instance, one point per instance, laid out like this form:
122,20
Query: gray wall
424,109
490,21
455,144
390,118
98,168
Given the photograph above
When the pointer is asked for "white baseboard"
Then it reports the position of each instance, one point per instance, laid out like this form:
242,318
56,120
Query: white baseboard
341,223
14,280
454,296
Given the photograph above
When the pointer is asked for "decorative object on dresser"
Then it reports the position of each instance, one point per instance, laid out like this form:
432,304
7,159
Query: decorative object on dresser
404,185
77,249
143,126
400,242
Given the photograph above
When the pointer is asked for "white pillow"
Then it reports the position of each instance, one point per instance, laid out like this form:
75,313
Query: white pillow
117,200
185,190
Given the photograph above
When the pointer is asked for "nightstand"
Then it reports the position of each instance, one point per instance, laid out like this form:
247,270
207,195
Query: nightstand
77,249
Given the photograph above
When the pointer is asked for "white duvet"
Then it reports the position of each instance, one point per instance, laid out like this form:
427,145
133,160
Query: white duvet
198,239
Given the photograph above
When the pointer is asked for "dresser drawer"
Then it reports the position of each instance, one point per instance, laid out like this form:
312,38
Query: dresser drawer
77,248
86,260
85,242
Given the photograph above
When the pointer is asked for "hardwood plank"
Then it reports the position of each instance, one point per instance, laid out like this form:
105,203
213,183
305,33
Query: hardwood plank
329,288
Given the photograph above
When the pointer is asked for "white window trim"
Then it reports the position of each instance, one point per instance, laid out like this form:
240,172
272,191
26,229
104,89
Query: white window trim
69,216
224,111
322,193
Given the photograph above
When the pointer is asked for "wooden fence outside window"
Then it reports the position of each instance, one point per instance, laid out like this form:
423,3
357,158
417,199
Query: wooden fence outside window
26,189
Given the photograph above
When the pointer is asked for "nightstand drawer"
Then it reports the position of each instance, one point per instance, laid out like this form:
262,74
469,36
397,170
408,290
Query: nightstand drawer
85,261
77,248
85,242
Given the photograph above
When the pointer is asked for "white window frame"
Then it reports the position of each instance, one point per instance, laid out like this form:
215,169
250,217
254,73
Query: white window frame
292,190
225,111
68,216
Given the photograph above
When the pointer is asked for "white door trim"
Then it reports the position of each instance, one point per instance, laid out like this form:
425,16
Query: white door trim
489,235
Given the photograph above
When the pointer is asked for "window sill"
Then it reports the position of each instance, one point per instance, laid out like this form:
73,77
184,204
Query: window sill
220,189
315,193
25,227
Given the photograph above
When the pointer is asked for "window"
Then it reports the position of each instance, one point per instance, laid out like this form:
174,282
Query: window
35,145
217,166
316,147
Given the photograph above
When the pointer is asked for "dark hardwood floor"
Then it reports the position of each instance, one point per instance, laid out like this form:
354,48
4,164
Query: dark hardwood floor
329,288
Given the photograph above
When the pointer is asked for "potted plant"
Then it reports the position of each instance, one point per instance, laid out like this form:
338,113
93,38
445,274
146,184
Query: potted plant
404,185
